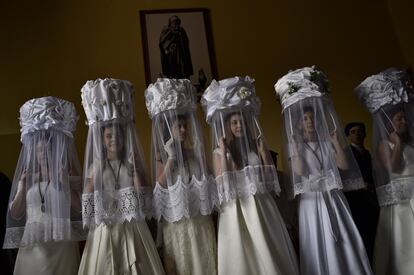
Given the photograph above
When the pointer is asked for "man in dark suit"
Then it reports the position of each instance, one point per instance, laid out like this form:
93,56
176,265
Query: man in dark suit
363,202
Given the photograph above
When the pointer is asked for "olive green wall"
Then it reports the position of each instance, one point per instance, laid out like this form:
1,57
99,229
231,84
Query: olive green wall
401,12
52,47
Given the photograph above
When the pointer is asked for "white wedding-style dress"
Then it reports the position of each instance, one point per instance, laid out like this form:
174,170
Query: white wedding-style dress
330,243
124,247
252,237
48,258
189,244
394,244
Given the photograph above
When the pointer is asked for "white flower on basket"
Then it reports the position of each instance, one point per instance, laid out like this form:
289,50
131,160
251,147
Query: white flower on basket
244,92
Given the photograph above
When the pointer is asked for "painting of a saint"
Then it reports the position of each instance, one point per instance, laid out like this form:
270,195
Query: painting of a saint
175,50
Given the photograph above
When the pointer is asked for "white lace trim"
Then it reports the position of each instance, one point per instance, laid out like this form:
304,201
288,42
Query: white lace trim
354,184
121,205
398,190
318,183
247,182
35,233
185,200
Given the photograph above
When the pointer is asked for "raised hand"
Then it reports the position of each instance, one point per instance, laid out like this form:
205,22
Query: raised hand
24,175
22,182
222,146
170,149
260,145
395,138
334,137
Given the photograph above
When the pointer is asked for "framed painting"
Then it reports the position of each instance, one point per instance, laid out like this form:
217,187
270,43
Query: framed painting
178,44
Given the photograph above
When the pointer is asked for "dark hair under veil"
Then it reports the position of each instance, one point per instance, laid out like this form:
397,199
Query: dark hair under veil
235,145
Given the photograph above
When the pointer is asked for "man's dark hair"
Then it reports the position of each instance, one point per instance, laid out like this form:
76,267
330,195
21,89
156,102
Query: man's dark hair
351,125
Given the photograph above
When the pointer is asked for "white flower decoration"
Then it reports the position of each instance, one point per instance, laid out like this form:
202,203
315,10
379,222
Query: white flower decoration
244,92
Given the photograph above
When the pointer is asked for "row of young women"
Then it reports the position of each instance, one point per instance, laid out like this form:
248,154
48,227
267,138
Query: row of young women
50,210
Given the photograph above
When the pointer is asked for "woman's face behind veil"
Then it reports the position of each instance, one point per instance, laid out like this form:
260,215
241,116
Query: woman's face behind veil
179,129
400,122
236,125
307,123
113,139
43,149
41,152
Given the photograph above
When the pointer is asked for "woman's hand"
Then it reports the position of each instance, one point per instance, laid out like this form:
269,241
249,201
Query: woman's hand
222,146
260,145
340,157
22,182
334,137
220,158
170,149
335,141
395,138
18,204
24,175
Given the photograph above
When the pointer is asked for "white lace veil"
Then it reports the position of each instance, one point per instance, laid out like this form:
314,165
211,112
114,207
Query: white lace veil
318,157
242,163
183,185
115,181
388,96
44,203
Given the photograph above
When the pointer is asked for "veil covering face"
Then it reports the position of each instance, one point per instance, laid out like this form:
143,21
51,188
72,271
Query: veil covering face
318,157
44,204
183,185
231,108
388,96
115,181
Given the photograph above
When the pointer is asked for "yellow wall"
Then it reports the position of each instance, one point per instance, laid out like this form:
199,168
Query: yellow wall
52,47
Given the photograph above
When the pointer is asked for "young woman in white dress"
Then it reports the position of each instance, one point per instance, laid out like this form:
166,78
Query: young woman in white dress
116,197
252,238
321,164
388,96
184,190
44,219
